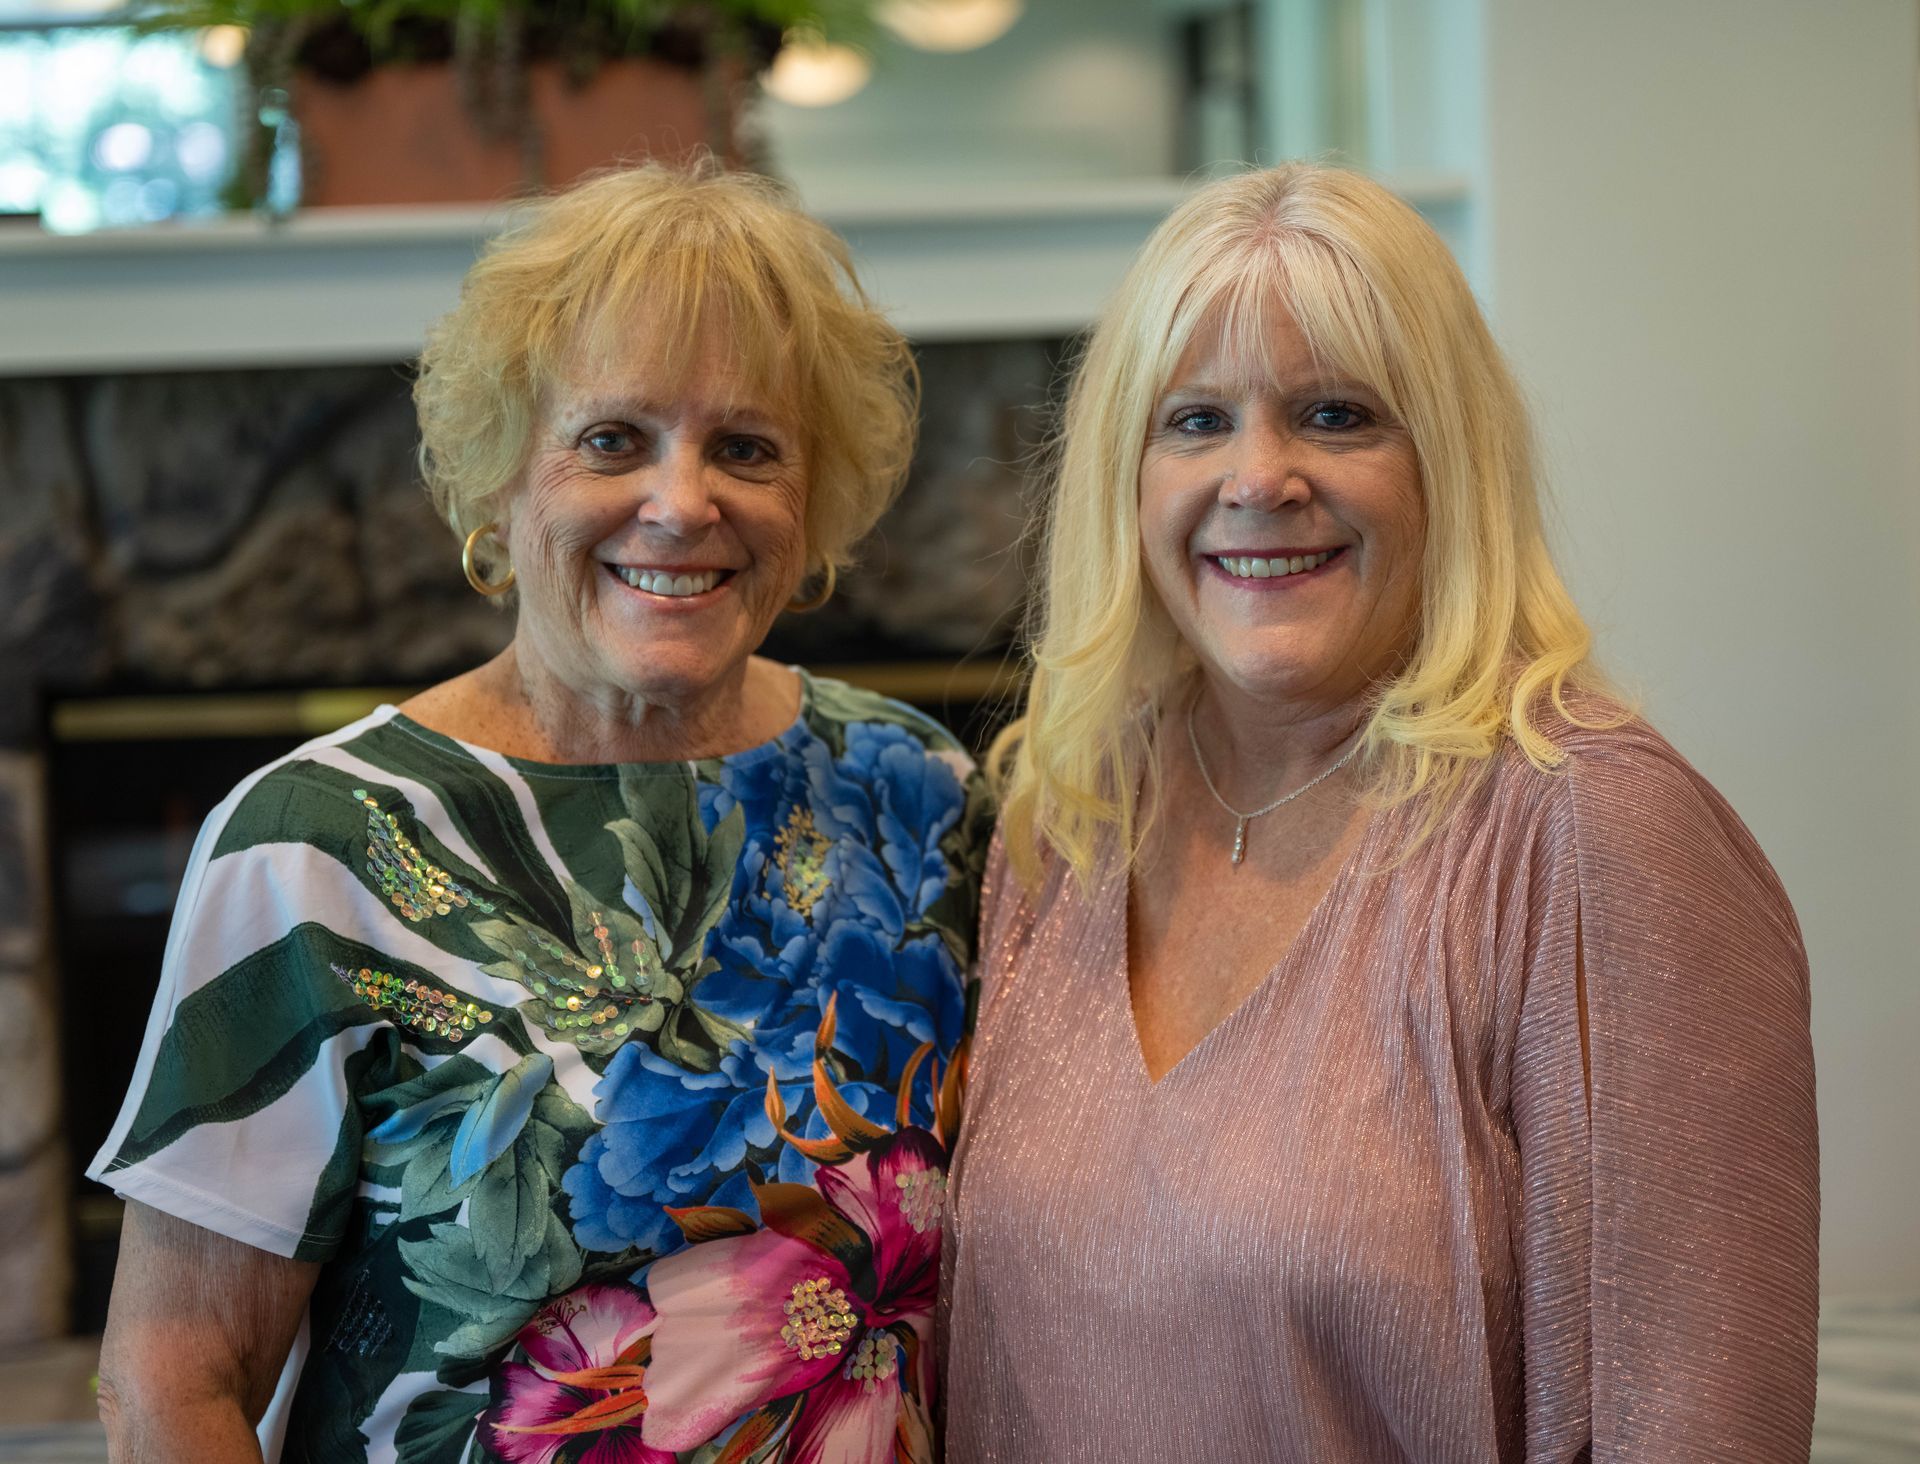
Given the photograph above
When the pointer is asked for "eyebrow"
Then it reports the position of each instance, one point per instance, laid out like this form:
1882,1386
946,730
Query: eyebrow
741,413
1332,384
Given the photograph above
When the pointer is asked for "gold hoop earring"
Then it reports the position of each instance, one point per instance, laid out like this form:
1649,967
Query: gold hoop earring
802,607
467,563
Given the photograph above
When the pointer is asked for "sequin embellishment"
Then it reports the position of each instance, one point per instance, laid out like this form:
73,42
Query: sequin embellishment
923,1197
413,1002
590,993
418,888
874,1361
800,855
819,1320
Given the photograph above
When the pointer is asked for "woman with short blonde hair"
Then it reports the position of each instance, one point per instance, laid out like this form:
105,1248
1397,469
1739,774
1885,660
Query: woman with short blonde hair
555,293
1389,1047
558,1065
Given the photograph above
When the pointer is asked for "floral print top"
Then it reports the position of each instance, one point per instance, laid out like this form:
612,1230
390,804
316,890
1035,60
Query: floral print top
614,1101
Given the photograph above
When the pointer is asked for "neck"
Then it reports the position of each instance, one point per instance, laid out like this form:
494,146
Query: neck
566,723
1257,748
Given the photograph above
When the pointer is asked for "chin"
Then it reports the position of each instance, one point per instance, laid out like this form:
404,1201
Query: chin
1270,671
663,677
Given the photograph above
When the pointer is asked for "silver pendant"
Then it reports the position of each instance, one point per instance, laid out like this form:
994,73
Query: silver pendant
1239,841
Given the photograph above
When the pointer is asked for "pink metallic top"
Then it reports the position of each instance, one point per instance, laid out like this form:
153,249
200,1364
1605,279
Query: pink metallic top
1380,1213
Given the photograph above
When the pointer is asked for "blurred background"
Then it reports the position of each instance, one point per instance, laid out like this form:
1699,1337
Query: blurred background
1695,225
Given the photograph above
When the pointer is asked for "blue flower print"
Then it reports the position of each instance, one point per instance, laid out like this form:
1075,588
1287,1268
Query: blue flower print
881,810
679,1138
763,950
891,1000
919,801
669,1137
886,797
840,864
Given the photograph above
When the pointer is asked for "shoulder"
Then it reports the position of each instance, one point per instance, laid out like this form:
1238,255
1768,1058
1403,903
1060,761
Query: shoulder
1624,783
282,852
1606,751
315,787
844,713
1634,825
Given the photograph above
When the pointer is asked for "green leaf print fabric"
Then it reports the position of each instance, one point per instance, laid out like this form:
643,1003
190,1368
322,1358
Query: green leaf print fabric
614,1102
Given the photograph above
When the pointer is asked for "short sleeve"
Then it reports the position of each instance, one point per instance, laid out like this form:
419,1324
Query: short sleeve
240,1117
1664,1109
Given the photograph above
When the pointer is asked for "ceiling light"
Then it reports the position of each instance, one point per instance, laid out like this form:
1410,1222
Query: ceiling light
223,45
810,72
948,25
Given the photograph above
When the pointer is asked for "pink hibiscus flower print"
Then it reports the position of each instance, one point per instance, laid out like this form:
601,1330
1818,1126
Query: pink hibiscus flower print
583,1380
809,1321
815,1325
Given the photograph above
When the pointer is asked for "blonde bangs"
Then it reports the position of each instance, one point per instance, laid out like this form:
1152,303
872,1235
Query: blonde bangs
680,281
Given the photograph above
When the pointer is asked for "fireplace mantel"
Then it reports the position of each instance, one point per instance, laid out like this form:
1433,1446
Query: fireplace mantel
342,285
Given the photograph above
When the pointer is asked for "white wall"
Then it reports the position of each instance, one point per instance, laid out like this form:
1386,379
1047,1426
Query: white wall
1704,235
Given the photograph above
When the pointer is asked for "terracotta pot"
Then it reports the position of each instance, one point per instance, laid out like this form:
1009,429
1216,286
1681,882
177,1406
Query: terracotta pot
401,134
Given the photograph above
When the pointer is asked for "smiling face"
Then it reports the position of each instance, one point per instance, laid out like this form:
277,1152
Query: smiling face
659,526
1281,521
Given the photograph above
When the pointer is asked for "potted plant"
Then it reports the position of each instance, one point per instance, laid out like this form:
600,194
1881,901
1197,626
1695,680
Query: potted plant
418,101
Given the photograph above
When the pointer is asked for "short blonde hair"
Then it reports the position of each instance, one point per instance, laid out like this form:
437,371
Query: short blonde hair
1378,297
692,246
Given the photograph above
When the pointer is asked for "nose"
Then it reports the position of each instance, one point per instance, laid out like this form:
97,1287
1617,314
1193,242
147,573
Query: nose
1267,472
677,498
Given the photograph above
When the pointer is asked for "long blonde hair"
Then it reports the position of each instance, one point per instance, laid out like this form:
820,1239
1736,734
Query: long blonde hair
1378,297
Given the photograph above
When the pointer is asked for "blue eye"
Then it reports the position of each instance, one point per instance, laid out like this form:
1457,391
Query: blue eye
609,440
1339,416
1198,421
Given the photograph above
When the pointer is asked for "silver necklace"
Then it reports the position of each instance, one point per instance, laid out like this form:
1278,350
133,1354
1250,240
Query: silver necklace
1241,820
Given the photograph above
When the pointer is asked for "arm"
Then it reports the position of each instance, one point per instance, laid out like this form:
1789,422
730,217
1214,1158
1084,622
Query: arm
197,1333
1664,1106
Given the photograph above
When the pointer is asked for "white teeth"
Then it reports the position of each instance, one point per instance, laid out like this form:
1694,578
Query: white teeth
659,582
1249,568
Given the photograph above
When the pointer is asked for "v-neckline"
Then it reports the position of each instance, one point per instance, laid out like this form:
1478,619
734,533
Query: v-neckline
1121,909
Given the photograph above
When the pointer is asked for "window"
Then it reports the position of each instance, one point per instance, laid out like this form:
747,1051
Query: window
101,125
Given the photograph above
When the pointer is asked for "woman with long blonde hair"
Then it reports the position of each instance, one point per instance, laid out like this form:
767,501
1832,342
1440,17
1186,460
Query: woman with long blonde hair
1389,1047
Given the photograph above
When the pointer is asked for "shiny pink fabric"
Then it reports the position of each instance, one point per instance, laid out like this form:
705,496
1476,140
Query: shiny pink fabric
1380,1213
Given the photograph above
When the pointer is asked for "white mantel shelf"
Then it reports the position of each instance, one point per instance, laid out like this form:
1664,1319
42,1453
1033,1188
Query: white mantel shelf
334,286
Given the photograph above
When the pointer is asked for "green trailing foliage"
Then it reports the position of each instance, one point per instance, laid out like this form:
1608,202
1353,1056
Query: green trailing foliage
628,23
